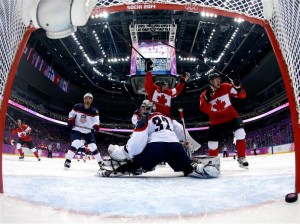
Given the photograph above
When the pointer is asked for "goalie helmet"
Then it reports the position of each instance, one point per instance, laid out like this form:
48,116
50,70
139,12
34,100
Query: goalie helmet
88,95
148,106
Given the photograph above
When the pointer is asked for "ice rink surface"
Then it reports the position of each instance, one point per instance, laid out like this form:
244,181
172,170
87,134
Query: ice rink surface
43,192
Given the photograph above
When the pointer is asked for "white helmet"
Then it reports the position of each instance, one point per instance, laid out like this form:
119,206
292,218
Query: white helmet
88,95
149,106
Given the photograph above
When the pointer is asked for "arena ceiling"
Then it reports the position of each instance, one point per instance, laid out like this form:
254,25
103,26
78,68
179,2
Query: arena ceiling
97,57
204,43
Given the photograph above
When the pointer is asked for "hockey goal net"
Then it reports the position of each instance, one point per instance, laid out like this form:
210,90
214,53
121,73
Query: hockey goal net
280,18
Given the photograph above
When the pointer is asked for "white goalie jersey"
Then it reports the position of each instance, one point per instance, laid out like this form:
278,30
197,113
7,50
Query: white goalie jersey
155,127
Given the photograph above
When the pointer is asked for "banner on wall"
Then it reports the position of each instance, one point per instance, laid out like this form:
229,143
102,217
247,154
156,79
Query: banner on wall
38,62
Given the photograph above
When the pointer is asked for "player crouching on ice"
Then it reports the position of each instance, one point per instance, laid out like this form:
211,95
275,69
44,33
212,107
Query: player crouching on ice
153,142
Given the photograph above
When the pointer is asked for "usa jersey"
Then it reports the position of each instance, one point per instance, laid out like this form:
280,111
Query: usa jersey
155,127
85,119
220,109
162,100
22,132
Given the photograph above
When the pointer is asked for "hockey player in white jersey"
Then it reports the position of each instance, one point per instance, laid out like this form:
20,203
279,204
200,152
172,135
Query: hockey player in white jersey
152,142
84,122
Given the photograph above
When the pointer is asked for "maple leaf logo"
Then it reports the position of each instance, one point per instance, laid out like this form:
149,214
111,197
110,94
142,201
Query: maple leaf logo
219,105
162,99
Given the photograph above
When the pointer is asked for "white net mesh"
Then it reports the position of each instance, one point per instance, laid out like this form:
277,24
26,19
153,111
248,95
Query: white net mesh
253,8
285,24
11,32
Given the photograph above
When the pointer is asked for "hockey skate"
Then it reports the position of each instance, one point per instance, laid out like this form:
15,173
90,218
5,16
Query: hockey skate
243,162
67,164
21,157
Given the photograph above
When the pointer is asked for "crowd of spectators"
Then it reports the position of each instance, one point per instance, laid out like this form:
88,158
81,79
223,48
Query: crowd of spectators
269,131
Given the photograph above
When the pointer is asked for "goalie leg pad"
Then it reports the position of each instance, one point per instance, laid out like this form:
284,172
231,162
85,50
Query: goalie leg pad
117,153
112,167
207,160
205,171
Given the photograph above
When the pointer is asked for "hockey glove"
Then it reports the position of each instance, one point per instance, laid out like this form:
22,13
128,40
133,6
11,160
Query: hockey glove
208,94
71,122
148,65
237,85
184,77
96,128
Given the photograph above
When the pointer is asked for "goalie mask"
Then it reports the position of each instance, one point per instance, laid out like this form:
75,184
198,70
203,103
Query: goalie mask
148,107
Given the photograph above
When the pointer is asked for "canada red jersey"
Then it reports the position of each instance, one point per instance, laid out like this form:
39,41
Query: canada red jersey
220,109
22,132
162,100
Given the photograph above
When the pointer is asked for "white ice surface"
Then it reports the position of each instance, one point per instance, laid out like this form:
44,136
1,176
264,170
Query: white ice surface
43,192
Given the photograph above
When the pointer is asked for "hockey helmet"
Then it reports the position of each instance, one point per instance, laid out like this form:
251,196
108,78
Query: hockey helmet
149,106
213,75
161,83
88,95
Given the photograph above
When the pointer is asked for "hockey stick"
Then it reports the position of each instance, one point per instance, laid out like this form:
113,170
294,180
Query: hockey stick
188,54
188,151
126,41
104,132
11,118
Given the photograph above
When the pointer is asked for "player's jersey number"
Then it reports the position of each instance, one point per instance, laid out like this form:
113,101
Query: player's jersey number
161,123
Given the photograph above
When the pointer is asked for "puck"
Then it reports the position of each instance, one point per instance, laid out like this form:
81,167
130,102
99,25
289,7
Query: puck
291,197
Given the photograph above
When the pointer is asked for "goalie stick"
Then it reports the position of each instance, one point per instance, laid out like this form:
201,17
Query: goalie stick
188,151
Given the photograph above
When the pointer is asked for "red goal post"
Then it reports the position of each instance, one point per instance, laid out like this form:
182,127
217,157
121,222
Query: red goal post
280,18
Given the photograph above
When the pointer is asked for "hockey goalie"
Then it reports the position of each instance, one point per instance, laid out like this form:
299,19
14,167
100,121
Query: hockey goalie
153,142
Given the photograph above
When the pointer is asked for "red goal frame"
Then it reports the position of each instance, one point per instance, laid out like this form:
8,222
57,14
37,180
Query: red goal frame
191,8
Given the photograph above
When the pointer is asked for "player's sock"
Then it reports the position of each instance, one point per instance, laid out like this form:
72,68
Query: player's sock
213,152
241,148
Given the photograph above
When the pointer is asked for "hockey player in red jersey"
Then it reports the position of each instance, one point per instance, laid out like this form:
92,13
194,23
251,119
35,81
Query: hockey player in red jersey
216,102
153,142
159,93
24,133
161,96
